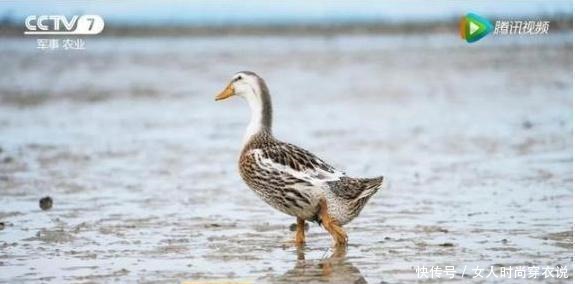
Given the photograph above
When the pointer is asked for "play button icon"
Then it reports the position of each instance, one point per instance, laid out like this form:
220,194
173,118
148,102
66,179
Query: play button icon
473,27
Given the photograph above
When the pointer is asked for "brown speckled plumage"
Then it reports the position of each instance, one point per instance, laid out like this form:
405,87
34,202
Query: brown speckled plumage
292,179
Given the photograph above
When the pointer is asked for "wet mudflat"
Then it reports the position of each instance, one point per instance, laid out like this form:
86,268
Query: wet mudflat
141,162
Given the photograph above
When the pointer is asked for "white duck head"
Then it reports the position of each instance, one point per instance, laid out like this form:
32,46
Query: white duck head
253,89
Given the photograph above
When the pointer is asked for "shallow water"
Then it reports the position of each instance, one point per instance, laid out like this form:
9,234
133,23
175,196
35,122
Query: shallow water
141,163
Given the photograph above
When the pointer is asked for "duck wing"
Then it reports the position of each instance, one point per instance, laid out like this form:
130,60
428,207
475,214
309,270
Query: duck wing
312,169
290,163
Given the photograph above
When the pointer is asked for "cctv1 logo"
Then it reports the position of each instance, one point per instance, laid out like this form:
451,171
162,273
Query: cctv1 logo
473,27
60,25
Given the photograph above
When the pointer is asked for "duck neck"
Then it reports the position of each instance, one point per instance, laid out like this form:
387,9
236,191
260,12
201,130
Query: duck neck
261,113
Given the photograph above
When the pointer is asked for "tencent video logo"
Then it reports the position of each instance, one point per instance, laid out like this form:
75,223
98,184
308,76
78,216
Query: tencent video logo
60,25
473,27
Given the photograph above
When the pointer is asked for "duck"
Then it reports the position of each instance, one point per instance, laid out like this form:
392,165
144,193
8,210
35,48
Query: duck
289,178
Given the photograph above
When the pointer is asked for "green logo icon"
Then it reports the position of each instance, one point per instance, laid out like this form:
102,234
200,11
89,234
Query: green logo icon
473,27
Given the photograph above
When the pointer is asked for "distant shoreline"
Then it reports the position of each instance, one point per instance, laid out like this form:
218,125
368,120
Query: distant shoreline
120,30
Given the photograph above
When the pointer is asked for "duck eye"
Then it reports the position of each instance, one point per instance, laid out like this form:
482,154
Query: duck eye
239,78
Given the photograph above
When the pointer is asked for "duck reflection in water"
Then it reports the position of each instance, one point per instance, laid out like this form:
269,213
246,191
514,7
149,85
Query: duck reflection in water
334,269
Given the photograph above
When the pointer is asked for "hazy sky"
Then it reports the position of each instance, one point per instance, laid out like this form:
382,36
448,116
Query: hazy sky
225,12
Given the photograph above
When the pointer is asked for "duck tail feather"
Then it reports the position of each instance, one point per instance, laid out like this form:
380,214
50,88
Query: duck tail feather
372,185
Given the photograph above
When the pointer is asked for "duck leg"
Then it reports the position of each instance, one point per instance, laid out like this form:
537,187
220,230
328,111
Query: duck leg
332,227
300,232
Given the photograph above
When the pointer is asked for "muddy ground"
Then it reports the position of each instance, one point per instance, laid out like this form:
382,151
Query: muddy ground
141,162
